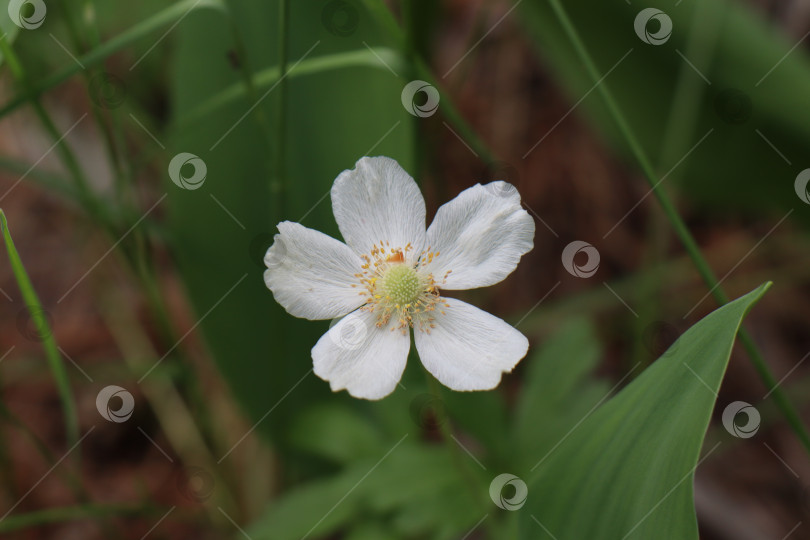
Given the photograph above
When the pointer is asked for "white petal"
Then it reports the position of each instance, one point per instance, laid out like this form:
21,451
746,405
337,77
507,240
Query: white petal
469,348
480,235
378,201
357,356
311,274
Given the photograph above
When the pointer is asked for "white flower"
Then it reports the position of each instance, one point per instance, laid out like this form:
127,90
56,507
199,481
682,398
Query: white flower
389,277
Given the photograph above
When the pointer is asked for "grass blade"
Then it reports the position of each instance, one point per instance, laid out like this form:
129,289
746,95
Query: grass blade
55,362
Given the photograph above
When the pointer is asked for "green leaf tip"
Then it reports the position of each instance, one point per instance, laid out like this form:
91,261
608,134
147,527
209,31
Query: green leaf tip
629,465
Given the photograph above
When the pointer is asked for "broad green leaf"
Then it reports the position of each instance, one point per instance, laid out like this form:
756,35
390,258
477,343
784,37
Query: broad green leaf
315,510
371,531
627,470
335,432
558,391
416,485
220,231
753,95
482,415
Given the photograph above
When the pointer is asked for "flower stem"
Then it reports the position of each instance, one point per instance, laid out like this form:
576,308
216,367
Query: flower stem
478,491
681,230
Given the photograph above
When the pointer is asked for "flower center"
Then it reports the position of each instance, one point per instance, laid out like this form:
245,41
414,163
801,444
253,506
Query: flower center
399,288
401,284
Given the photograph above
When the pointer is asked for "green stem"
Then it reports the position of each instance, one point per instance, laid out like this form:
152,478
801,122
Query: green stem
55,362
86,197
460,462
110,140
681,230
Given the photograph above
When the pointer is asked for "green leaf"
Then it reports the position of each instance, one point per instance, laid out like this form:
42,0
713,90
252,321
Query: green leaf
38,316
335,432
313,510
371,531
627,470
558,390
413,484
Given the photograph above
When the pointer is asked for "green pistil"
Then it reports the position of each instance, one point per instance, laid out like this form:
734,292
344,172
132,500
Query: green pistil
401,285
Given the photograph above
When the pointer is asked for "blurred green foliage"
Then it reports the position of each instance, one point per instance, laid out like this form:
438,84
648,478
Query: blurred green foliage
722,72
